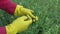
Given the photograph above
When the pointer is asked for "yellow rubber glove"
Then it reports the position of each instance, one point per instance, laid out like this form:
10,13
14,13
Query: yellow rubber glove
20,10
19,25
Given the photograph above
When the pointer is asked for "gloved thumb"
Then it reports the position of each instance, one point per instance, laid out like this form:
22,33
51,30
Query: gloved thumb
23,17
29,21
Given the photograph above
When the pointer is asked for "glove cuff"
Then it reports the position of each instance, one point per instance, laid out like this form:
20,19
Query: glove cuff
18,10
10,29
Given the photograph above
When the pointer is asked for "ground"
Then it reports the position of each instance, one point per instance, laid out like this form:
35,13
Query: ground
48,12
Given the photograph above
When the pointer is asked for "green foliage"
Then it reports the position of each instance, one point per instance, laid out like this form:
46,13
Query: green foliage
48,12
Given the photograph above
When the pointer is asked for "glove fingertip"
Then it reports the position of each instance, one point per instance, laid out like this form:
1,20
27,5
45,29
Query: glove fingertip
36,18
32,11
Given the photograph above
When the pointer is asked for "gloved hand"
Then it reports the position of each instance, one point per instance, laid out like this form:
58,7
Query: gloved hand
19,25
20,10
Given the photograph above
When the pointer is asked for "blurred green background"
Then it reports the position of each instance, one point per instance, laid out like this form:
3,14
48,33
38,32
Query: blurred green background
48,12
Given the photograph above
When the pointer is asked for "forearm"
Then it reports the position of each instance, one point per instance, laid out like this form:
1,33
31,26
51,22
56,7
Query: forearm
2,30
8,6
